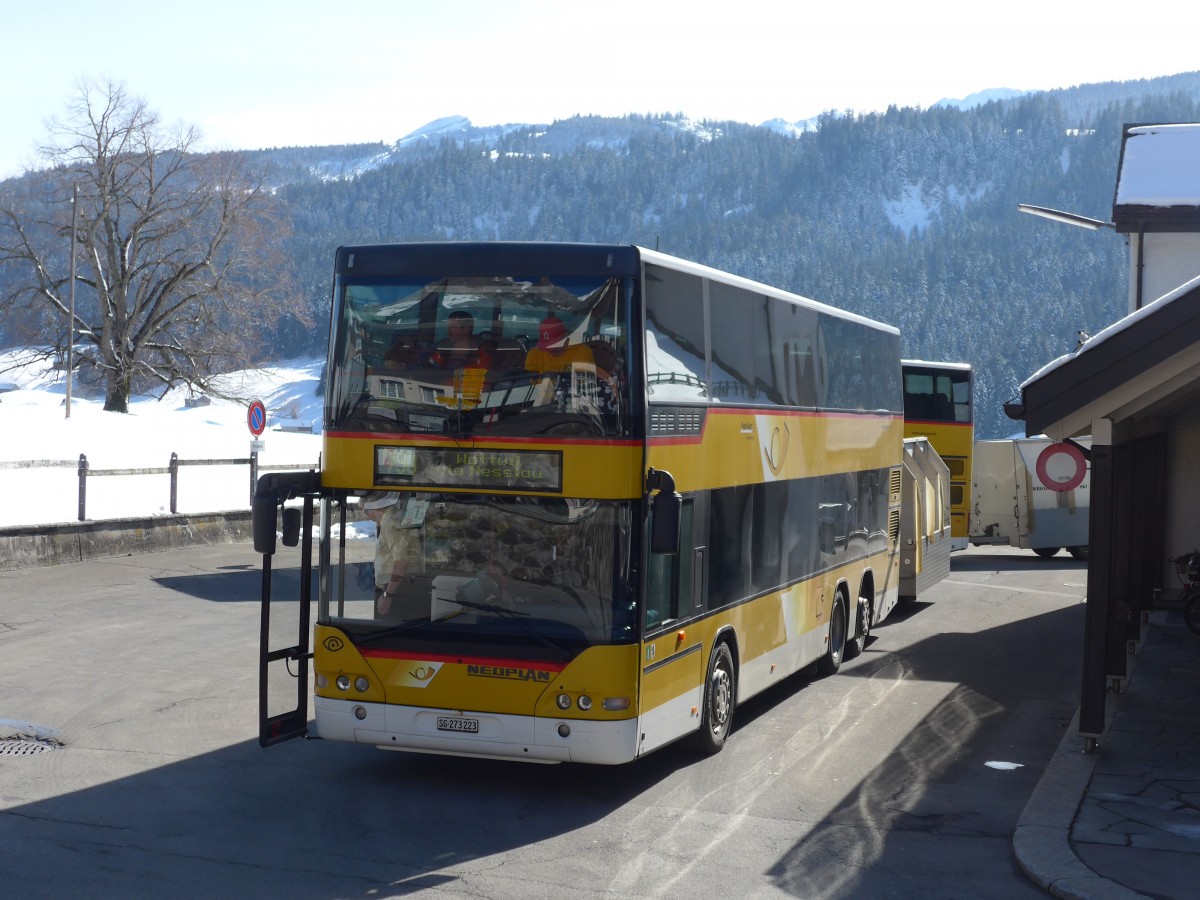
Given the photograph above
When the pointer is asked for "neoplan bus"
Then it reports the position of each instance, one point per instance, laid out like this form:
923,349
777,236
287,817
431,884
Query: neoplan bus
655,490
939,404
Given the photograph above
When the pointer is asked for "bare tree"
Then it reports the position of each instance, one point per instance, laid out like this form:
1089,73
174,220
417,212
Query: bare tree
177,260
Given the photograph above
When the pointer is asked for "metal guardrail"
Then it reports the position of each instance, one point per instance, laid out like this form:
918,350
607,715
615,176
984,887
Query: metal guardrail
85,471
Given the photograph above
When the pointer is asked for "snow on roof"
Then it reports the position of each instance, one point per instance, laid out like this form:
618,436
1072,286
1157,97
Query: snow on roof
1159,166
1115,328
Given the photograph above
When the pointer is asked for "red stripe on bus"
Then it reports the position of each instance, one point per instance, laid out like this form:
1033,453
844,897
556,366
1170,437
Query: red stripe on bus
463,660
471,440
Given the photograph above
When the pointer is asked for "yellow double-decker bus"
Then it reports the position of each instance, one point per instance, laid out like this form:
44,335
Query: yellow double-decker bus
608,495
939,404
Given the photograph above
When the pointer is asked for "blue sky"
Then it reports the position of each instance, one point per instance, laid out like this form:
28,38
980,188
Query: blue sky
260,73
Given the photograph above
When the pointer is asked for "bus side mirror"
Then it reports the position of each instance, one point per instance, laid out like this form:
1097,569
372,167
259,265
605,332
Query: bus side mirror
291,526
667,508
263,509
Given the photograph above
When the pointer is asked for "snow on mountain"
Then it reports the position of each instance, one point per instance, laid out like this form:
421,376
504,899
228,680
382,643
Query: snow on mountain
981,97
790,128
447,126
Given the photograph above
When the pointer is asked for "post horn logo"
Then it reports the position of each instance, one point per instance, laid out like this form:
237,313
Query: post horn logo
777,447
333,643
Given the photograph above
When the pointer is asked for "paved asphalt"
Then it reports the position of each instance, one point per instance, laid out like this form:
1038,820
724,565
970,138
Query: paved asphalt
167,720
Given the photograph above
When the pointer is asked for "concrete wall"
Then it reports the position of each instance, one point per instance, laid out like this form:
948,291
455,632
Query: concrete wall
54,544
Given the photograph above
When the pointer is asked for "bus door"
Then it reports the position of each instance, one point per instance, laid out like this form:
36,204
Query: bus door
673,658
283,686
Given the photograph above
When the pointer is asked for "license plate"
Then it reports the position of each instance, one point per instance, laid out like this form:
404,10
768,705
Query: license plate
457,723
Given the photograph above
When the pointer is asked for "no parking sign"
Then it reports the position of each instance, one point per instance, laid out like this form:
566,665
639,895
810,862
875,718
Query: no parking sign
1061,467
256,417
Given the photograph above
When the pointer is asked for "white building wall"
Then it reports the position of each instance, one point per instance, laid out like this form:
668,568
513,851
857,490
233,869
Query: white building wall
1171,259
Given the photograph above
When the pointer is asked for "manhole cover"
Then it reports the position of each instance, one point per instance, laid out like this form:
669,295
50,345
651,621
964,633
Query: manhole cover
25,747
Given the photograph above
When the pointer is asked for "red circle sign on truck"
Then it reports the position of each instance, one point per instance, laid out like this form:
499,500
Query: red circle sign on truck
256,417
1061,467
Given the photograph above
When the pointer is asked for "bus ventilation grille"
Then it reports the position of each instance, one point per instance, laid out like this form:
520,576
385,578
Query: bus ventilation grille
675,422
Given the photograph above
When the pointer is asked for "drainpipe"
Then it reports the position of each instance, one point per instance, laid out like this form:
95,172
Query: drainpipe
1141,265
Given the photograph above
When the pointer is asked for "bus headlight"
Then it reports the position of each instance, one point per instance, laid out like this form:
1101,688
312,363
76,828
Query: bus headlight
563,701
585,702
615,704
361,684
343,682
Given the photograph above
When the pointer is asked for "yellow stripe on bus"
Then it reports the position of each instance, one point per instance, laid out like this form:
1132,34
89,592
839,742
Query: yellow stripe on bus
751,447
601,470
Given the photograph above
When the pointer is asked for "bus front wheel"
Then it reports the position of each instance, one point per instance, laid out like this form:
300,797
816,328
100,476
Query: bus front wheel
719,700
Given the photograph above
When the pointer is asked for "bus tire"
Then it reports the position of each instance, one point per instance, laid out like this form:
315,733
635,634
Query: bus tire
1080,552
720,697
862,631
835,647
1046,552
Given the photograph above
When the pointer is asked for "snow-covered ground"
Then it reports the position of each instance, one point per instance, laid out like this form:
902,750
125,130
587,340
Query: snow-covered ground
34,427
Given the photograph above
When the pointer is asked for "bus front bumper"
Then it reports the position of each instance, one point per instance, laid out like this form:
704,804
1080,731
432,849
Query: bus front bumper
497,736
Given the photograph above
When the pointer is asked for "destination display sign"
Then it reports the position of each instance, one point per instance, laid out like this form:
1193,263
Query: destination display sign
453,467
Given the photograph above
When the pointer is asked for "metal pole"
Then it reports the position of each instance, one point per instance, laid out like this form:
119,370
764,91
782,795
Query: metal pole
82,471
71,316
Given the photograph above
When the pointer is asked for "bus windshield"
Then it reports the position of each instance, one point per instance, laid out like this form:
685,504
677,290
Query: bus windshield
495,355
937,395
484,573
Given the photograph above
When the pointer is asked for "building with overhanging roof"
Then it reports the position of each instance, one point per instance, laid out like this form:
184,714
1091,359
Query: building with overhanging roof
1134,388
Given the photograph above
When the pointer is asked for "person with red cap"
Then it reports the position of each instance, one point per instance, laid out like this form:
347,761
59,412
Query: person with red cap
553,353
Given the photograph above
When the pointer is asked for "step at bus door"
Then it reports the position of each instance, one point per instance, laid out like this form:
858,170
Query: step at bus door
283,672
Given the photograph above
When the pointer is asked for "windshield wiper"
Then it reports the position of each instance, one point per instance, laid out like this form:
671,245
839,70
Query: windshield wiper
489,607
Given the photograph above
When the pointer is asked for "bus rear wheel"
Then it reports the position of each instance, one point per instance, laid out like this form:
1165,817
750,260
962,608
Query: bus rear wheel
862,631
836,647
719,700
1046,552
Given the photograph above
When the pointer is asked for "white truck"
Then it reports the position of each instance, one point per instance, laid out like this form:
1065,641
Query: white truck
1032,493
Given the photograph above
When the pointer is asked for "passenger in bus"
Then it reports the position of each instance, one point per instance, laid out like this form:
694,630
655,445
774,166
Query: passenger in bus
406,350
395,547
462,348
559,360
553,353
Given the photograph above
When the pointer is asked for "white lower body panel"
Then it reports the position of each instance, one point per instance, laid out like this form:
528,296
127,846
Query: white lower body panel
499,736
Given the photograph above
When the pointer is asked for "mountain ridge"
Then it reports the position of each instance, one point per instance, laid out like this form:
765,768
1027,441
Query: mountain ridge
908,216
